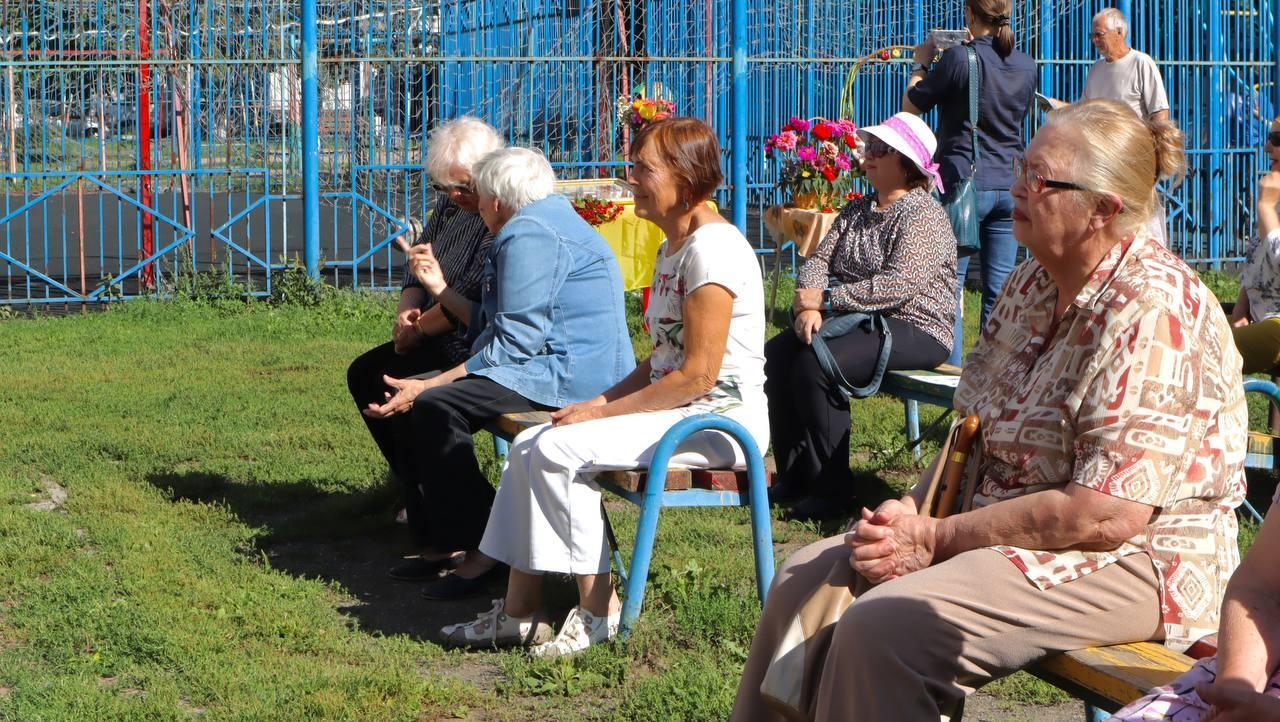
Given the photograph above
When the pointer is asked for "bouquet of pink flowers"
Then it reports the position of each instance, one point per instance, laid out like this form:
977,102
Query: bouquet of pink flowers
820,158
640,111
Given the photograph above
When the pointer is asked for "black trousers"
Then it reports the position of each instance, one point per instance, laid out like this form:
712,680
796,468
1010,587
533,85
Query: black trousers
809,419
364,380
454,499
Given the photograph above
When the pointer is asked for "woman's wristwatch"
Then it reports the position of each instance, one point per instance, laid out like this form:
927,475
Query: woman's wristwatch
826,299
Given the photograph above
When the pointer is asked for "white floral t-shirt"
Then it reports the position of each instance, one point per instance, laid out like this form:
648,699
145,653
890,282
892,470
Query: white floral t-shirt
715,253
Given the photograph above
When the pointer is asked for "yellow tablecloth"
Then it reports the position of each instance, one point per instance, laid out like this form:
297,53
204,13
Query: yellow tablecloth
635,244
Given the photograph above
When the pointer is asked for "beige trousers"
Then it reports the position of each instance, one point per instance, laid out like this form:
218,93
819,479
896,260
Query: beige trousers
906,649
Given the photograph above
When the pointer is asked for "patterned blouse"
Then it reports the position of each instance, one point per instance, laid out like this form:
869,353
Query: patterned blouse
900,261
1136,393
1261,277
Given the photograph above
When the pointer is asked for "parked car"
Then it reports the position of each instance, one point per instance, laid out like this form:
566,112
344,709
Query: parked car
110,117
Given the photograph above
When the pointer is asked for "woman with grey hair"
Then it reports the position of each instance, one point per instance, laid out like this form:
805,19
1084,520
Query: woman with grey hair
706,322
549,331
425,337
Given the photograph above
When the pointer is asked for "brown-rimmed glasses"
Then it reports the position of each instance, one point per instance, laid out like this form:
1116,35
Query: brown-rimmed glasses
1036,183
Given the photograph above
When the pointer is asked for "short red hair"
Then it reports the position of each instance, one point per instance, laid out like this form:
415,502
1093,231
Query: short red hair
690,151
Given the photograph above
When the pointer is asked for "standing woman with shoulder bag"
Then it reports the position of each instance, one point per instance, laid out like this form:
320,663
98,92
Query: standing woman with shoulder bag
980,175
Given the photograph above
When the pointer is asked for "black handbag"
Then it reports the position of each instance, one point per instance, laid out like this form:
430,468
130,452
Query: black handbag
961,200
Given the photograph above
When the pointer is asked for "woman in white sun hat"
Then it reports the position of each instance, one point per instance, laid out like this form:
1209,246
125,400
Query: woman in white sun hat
890,253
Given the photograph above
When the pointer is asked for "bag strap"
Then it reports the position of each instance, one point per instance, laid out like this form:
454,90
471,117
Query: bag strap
839,326
973,105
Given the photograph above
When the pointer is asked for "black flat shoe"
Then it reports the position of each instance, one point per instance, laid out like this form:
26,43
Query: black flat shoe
816,508
784,493
454,586
418,569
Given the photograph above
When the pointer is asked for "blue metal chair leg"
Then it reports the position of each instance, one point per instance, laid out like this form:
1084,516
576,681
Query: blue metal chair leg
651,508
642,554
500,448
1093,714
913,427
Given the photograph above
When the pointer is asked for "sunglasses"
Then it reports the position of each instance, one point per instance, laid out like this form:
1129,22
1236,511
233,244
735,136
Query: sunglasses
1273,139
447,188
878,148
1036,183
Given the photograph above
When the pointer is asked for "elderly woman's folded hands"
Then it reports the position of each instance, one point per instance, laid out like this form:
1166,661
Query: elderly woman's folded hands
891,542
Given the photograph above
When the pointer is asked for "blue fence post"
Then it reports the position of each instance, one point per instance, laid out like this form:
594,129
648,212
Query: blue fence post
310,142
1217,224
738,129
1046,49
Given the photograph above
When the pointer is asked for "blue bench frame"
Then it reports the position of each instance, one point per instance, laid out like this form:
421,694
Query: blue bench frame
655,497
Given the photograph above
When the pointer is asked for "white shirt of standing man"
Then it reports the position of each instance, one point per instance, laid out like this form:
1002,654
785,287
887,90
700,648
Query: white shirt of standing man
1124,74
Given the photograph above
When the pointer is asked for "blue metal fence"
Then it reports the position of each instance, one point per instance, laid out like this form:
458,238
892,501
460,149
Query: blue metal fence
142,138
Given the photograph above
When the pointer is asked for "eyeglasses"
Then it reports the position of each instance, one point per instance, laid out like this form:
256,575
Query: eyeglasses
1036,183
448,188
878,148
1273,139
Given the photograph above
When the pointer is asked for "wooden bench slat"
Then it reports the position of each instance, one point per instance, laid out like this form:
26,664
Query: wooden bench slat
1116,675
510,425
631,480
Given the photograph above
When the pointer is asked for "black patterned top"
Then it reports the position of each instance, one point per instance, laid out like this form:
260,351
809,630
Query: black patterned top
460,241
899,261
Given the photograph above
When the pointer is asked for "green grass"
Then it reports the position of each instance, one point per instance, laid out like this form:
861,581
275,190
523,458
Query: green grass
193,438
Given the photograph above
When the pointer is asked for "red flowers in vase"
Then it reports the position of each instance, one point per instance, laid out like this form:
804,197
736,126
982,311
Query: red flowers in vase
819,157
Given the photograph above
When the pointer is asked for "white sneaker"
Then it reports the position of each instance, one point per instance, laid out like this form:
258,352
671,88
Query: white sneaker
496,628
581,629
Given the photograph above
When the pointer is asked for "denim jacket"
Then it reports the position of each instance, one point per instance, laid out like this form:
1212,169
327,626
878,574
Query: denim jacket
551,323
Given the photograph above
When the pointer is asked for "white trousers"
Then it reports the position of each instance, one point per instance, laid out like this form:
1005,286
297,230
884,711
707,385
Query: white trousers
547,515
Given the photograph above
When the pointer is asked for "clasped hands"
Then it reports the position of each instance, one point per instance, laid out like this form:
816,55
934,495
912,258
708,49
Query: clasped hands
404,332
891,542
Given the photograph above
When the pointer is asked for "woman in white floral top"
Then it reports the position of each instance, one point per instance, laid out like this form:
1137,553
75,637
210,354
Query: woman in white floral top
1256,316
1111,460
706,319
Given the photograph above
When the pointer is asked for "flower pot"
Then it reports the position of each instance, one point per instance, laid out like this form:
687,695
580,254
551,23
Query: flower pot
808,201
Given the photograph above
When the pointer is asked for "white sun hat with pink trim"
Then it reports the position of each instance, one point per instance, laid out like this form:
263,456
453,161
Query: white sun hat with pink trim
911,137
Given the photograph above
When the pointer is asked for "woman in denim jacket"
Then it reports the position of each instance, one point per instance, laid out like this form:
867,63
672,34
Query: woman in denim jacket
550,330
706,321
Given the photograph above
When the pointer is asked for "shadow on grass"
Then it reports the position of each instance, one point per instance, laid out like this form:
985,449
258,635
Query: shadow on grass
349,539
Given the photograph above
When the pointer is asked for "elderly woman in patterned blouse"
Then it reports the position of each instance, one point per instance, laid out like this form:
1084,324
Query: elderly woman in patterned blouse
1113,442
891,253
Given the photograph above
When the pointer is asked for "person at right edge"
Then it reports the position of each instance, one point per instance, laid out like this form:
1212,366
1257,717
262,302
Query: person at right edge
1006,87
